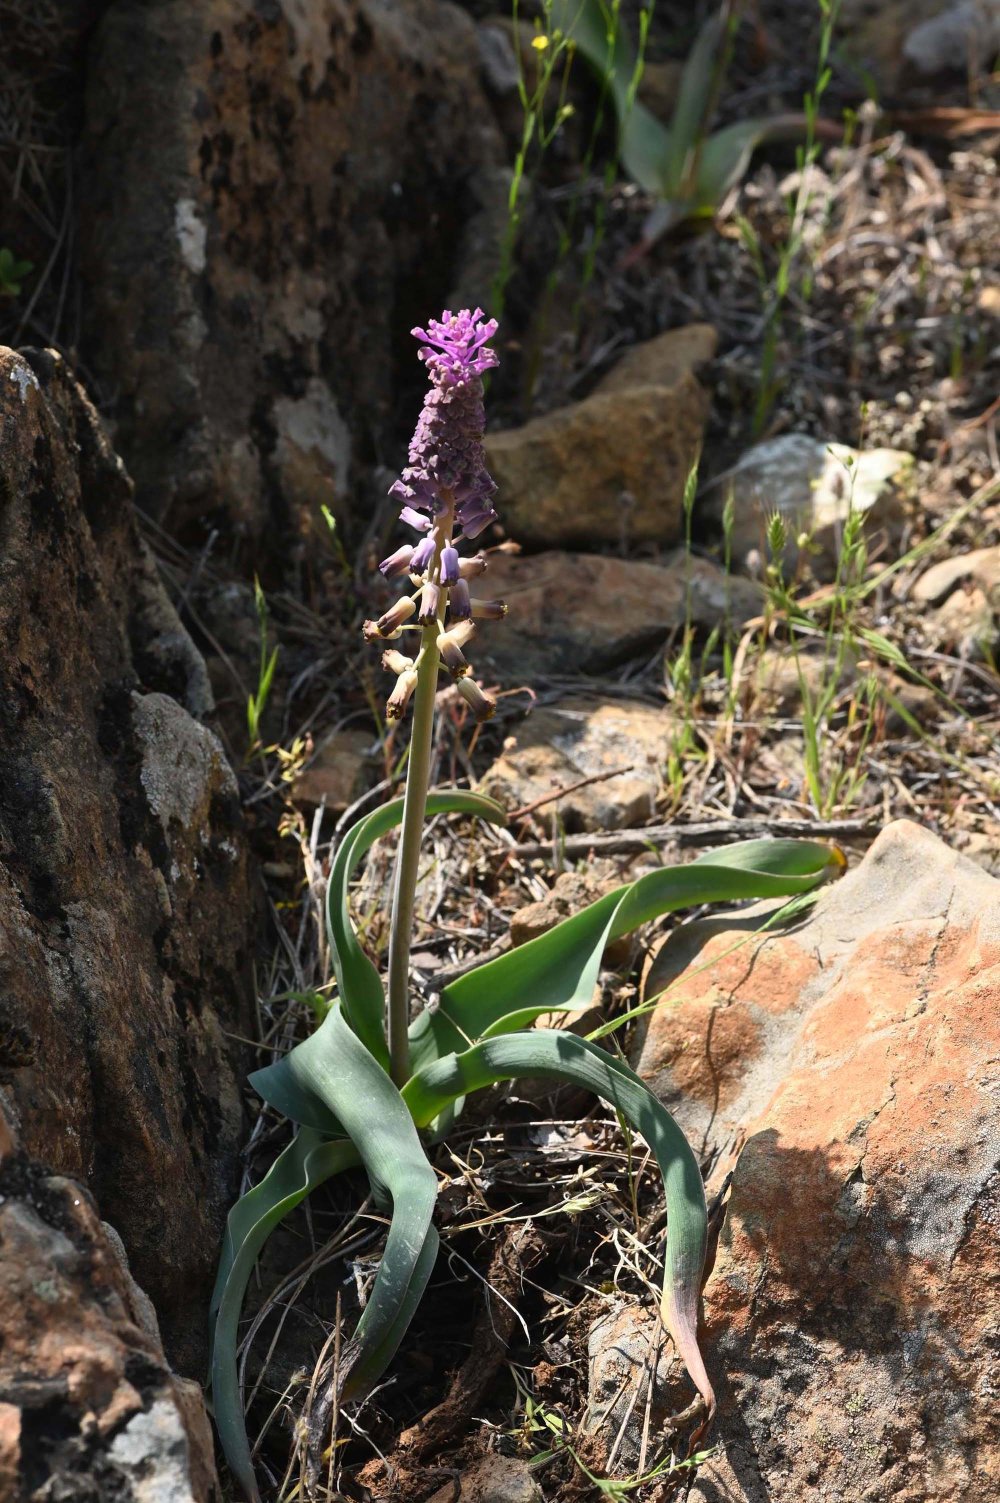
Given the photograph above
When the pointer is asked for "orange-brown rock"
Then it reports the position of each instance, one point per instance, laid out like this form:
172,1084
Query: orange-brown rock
851,1319
584,473
584,612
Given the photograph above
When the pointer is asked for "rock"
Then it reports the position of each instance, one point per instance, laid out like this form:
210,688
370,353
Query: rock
966,623
873,33
584,613
814,485
612,468
988,301
912,41
336,772
265,191
495,1479
571,891
980,567
581,738
964,592
125,911
851,1319
629,1365
662,361
778,677
88,1406
964,38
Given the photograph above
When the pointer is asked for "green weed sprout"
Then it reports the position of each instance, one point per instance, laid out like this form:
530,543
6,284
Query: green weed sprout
371,1086
687,168
12,273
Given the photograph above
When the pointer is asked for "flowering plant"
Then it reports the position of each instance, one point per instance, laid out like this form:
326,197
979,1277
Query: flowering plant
371,1079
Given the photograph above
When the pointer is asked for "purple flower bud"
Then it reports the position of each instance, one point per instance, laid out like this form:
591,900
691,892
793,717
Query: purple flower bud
397,563
415,519
459,603
390,624
481,705
422,557
449,565
430,600
476,522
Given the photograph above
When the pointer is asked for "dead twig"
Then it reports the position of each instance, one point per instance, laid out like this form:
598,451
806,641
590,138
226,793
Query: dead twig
711,832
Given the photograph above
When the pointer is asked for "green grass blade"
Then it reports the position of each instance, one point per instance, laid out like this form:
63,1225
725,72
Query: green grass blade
305,1163
558,970
564,1057
358,981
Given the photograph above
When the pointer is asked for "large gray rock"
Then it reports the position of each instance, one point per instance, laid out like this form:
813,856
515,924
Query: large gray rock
271,196
125,914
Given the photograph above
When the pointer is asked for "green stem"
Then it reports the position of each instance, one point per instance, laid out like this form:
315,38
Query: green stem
418,775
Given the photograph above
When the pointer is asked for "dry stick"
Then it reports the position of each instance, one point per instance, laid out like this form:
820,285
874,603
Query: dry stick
550,798
712,832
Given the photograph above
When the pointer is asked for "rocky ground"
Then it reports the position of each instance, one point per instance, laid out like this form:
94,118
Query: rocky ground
234,215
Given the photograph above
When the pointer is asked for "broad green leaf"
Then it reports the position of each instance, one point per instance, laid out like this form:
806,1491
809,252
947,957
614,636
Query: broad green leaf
334,1068
695,105
726,155
564,1057
301,1168
685,166
359,984
558,971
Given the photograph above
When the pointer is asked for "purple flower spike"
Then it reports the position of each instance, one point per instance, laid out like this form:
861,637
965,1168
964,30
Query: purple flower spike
447,462
397,563
449,566
458,341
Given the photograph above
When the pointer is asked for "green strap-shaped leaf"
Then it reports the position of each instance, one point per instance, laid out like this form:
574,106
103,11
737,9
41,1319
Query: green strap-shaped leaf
564,1057
305,1164
358,982
558,970
332,1070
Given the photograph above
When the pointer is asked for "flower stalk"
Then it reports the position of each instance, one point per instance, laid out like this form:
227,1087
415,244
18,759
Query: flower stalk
418,774
445,494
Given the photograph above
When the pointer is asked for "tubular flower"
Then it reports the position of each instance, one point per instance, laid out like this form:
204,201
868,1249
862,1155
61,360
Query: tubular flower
445,494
